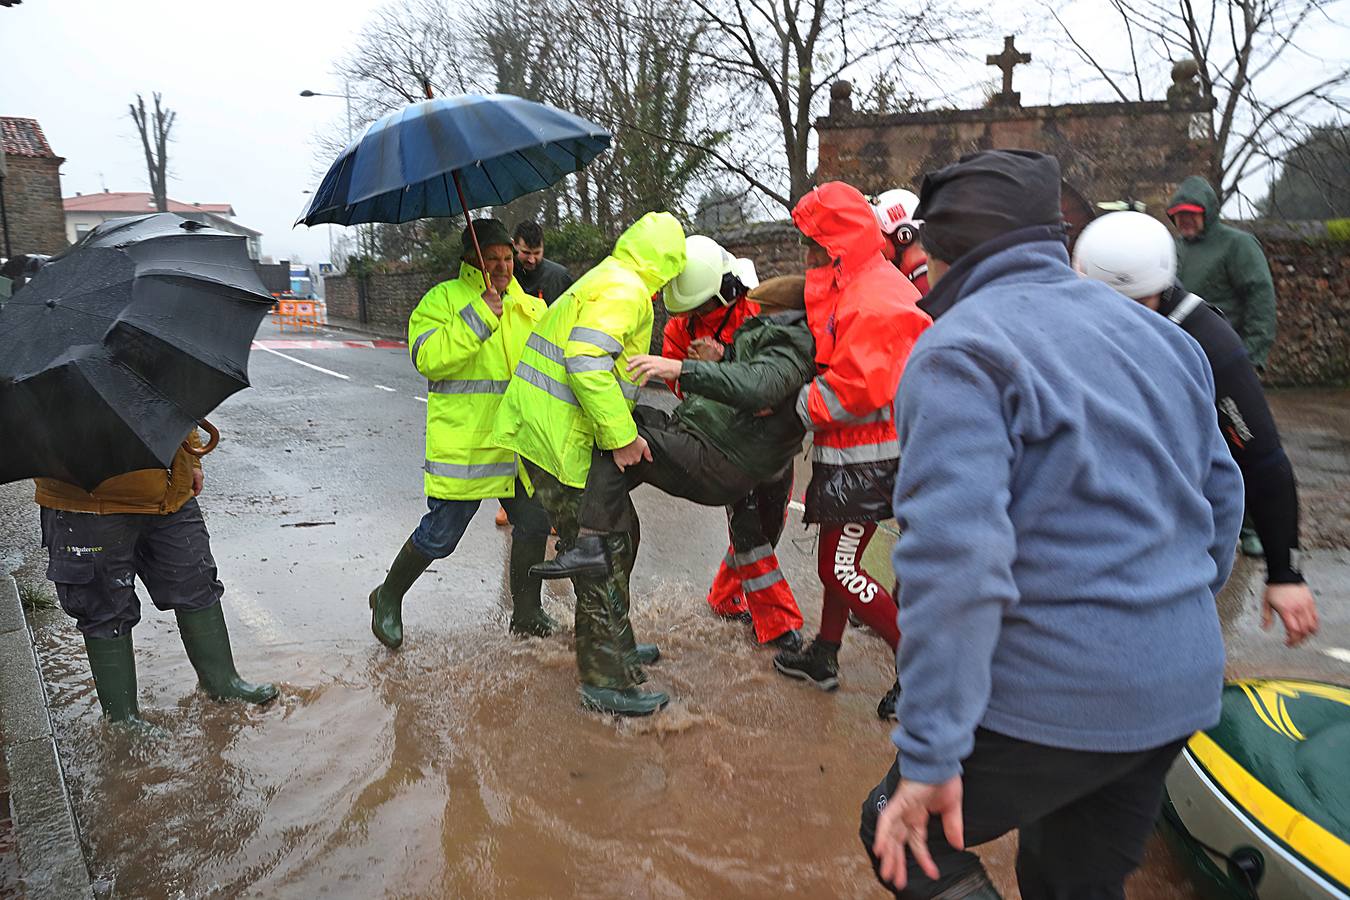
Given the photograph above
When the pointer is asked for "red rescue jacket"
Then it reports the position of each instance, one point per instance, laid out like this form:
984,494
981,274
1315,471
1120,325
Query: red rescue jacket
865,318
720,325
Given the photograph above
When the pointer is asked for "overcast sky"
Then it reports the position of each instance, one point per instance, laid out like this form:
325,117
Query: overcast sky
233,72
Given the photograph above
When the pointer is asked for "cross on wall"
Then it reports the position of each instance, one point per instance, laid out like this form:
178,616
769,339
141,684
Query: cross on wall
1006,60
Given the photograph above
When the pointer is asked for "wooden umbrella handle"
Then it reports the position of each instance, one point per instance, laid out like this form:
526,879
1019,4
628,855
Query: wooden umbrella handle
212,439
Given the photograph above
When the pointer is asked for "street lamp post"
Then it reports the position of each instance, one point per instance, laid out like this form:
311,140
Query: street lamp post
347,96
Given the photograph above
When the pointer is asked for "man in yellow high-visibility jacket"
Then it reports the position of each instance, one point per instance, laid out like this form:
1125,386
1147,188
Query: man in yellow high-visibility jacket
465,337
570,394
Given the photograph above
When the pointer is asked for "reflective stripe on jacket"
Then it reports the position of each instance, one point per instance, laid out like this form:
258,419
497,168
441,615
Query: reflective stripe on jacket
865,317
466,354
571,390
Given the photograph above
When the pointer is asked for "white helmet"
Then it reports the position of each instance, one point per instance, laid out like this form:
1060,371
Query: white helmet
705,268
895,208
1132,252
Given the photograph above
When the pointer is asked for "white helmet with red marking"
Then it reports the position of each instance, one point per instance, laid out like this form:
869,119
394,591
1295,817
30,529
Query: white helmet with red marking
895,210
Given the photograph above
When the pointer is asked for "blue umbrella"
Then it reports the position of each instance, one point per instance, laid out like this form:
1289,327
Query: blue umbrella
439,157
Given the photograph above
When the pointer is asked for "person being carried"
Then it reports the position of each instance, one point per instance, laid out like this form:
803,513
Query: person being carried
464,337
708,303
1134,254
735,431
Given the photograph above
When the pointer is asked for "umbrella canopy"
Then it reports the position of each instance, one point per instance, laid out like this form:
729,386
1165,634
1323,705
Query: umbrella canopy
115,350
499,147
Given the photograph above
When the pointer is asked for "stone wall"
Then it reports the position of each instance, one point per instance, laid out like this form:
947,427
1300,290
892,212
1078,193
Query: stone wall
388,299
33,206
1312,287
1107,151
1312,294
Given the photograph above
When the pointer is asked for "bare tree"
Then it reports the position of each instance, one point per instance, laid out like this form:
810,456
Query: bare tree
1251,66
782,57
154,129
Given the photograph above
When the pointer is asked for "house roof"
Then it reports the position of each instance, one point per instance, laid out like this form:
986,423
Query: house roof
24,137
136,202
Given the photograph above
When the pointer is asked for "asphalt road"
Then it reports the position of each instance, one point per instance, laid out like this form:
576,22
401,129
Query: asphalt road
462,765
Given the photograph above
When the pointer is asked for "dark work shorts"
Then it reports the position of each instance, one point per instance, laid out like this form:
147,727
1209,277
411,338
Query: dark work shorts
94,561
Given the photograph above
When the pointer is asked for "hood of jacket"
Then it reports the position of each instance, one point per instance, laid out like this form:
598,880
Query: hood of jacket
1197,190
838,217
653,248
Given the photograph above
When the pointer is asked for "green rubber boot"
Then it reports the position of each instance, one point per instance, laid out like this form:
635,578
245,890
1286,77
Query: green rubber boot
626,702
648,654
386,601
1250,543
208,647
528,618
113,663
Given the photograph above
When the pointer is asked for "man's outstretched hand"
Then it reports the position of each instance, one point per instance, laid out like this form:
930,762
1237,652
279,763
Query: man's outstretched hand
632,454
1297,610
644,367
903,826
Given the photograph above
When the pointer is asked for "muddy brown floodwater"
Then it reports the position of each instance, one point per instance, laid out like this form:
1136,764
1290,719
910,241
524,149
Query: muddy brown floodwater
461,766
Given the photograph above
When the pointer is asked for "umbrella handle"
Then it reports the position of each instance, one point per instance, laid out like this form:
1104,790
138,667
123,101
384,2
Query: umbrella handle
212,439
473,236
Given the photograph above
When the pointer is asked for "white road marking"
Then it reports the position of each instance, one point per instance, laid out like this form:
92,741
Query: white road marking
302,362
1337,653
383,388
421,399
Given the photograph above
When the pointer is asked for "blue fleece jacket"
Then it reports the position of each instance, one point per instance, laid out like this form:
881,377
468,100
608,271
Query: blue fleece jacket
1069,511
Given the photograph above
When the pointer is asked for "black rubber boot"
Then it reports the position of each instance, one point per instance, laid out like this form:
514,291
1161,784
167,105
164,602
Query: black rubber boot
527,612
208,647
791,641
886,708
386,601
648,654
818,664
627,702
586,558
113,663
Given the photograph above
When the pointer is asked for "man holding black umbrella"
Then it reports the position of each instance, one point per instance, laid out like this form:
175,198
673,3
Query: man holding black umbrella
464,337
147,524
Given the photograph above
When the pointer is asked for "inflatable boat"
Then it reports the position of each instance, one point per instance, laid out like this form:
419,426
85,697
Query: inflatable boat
1259,805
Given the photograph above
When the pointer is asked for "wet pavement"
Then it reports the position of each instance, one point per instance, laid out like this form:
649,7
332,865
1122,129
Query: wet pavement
462,765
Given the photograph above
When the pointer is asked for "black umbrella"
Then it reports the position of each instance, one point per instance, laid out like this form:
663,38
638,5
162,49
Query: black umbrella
118,347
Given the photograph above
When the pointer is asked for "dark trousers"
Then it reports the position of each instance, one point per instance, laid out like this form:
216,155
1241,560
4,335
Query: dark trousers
683,465
1082,818
759,517
94,561
605,646
445,521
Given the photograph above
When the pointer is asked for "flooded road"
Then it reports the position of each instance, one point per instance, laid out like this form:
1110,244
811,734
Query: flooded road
462,766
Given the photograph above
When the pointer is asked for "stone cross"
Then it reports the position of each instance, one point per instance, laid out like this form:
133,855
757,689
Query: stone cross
1010,57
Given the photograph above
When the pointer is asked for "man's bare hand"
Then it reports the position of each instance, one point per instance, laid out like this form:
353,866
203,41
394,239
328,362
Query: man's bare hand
903,825
708,349
632,454
198,481
644,366
1297,609
493,301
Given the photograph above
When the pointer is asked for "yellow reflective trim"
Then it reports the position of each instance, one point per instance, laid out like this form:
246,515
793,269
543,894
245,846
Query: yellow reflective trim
1301,834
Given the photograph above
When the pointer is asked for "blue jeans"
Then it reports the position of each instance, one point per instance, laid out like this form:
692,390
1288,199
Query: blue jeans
445,522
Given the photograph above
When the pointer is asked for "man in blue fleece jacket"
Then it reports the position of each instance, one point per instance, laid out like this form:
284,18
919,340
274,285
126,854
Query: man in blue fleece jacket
1069,512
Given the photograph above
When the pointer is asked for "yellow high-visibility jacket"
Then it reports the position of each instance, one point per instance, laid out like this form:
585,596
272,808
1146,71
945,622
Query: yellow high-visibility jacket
571,390
466,354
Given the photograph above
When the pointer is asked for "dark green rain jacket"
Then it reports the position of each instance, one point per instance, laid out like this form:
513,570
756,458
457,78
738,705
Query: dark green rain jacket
770,358
1227,268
